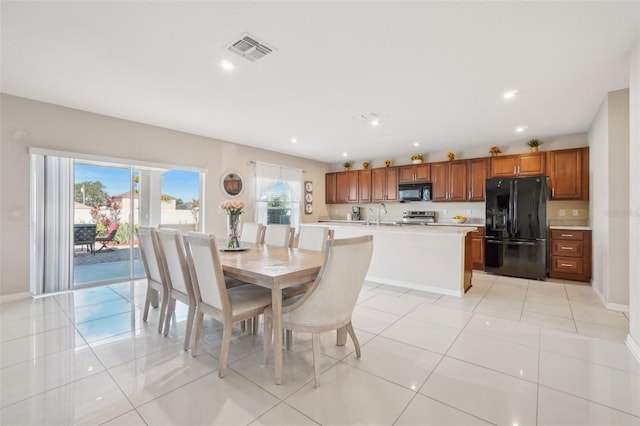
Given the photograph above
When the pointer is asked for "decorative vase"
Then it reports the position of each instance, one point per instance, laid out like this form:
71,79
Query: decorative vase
416,161
534,149
494,154
233,231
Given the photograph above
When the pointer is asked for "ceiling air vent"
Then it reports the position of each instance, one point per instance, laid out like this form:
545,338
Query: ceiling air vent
250,48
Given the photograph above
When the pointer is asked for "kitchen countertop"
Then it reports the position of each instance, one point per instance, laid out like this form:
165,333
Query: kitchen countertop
399,222
571,228
391,226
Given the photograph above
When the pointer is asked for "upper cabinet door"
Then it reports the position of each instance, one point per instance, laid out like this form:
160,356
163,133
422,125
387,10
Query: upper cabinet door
378,185
569,174
422,172
364,186
439,181
392,184
330,188
504,166
532,164
406,174
457,181
478,173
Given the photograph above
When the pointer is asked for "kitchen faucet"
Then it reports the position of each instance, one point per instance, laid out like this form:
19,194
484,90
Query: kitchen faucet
378,215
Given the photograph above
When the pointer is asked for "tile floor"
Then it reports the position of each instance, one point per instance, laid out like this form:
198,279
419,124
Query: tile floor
511,351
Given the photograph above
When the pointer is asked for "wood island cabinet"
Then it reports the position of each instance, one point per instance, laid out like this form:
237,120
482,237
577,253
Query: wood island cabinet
415,173
449,181
347,187
364,186
478,174
568,171
384,184
477,248
530,164
570,255
330,188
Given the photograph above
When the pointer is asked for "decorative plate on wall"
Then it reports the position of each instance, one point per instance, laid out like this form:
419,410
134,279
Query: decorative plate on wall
308,197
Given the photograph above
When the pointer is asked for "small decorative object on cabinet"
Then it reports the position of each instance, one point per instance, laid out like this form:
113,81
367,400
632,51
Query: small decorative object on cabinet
534,144
451,156
416,158
365,165
494,150
387,163
347,165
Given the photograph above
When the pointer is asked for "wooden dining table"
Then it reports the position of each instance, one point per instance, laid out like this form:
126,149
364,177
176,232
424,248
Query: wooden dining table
275,268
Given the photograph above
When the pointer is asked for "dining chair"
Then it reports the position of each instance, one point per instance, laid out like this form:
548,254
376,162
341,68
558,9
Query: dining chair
278,235
178,278
329,303
252,233
310,238
212,296
156,281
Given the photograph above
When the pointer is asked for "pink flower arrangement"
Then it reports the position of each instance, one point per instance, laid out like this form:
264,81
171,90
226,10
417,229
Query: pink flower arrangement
232,206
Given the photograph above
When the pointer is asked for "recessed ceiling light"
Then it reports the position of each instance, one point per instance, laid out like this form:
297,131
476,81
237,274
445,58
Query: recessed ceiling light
345,154
521,129
416,144
226,65
375,122
510,94
294,140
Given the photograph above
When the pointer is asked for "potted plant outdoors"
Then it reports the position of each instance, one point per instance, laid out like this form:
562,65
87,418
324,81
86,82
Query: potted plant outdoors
534,144
347,166
416,158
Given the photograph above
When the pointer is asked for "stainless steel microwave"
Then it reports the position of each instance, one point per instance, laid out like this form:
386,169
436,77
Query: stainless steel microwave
414,192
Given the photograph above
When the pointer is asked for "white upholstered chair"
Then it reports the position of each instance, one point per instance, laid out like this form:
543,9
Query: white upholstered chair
156,281
278,235
329,303
178,278
212,296
252,233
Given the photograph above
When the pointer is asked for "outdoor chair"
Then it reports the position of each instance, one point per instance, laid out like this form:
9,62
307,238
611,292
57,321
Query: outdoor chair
109,236
84,234
328,305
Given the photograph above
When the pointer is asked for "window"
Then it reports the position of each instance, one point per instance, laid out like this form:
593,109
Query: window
278,192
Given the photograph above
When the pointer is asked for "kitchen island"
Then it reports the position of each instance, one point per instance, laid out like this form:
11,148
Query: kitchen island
429,258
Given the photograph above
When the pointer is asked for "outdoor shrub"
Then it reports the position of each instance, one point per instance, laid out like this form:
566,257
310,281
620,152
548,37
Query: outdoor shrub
122,234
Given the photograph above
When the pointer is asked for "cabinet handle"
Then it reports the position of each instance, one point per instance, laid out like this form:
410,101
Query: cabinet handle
566,235
515,170
568,265
553,191
469,195
566,248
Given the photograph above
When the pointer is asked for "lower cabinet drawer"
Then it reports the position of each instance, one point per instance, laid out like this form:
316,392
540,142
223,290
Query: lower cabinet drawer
568,248
567,265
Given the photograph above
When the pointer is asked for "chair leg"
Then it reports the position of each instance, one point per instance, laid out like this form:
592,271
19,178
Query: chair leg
255,324
171,307
224,351
163,311
268,335
147,303
315,342
196,340
187,337
352,333
243,325
288,339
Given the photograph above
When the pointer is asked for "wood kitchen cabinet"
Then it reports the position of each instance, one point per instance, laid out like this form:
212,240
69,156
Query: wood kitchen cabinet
364,186
384,184
347,187
478,173
415,173
449,181
529,164
477,248
568,171
570,254
330,188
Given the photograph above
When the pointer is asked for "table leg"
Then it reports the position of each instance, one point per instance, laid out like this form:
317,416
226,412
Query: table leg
341,337
276,306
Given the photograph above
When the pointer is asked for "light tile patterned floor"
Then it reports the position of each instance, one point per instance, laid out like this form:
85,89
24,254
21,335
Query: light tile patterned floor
509,352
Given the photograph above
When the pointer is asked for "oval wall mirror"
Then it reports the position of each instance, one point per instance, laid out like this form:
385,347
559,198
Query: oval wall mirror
232,184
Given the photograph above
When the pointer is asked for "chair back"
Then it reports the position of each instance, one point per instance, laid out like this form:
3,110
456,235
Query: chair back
113,228
313,237
84,233
252,233
150,253
206,270
332,297
278,235
174,260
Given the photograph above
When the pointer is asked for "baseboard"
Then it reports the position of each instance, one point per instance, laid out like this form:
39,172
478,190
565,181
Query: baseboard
15,296
633,346
413,286
610,306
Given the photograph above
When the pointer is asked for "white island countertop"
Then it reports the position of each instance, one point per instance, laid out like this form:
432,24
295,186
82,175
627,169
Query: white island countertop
427,258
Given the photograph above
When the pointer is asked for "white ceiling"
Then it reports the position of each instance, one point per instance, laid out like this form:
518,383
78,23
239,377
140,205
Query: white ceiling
433,72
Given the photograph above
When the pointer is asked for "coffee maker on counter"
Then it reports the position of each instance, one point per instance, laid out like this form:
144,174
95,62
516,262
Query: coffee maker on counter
356,213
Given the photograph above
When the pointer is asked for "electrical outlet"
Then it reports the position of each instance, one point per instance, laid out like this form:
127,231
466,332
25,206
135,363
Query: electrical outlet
575,212
444,212
561,212
469,213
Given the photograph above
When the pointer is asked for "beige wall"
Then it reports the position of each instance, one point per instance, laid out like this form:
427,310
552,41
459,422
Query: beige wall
25,123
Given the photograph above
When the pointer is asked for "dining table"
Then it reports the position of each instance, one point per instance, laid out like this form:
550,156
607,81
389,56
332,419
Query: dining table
275,268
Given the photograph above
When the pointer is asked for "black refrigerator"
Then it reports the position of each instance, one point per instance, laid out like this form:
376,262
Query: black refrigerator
516,223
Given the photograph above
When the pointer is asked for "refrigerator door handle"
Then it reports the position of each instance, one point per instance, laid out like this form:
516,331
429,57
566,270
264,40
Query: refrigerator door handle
510,212
515,207
522,243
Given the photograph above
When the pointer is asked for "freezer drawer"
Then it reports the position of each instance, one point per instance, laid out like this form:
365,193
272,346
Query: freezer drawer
523,259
